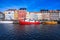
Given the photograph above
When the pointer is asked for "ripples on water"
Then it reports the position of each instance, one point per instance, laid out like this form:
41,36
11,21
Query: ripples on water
29,32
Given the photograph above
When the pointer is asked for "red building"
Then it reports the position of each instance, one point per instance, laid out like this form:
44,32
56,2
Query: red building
22,14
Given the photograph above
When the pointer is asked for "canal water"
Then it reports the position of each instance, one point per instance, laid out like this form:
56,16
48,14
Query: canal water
29,32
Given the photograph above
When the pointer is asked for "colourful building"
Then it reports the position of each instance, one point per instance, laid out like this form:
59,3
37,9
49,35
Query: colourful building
22,14
16,15
32,16
9,14
46,16
39,15
28,15
54,15
36,15
59,15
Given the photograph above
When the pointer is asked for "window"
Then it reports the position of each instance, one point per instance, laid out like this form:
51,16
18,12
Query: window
9,13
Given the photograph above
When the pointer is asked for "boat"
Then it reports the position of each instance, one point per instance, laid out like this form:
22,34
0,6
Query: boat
6,21
25,22
50,22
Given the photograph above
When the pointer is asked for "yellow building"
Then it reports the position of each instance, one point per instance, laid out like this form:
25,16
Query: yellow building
16,15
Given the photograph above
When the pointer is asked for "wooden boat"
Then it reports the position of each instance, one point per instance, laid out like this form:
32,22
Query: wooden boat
28,22
50,22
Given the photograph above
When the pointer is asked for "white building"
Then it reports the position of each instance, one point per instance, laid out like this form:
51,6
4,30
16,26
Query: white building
46,16
39,15
32,16
9,15
27,15
59,15
36,15
54,15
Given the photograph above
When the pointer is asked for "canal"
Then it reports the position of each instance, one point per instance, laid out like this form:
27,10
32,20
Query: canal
29,32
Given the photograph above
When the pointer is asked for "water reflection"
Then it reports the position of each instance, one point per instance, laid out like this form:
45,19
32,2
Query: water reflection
29,32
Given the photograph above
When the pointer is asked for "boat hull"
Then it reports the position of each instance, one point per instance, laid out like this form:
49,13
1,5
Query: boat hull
28,23
51,22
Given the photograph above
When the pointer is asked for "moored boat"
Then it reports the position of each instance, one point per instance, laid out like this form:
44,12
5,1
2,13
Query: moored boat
50,22
6,21
28,22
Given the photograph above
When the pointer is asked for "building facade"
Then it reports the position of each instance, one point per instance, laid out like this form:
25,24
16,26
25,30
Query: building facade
59,15
54,15
16,15
39,15
28,15
9,14
1,16
22,14
36,15
45,14
33,16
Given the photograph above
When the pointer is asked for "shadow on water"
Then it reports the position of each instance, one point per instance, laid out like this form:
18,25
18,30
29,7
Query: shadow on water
29,32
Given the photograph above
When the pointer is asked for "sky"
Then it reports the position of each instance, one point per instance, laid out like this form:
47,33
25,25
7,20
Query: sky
31,5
